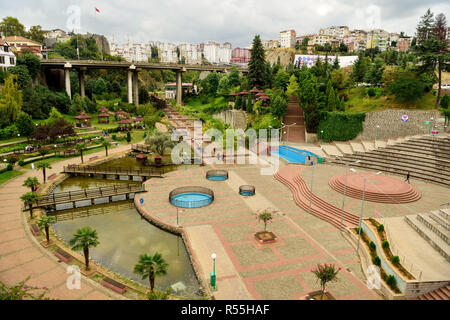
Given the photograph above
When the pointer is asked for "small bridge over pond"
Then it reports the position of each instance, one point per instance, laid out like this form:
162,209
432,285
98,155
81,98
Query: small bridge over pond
117,172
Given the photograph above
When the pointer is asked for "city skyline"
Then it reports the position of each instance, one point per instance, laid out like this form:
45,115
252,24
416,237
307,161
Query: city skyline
173,21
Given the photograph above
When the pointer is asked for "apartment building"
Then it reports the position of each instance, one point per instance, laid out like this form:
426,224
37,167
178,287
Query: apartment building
337,32
404,44
7,57
321,39
240,55
270,44
191,53
377,38
214,52
287,38
18,43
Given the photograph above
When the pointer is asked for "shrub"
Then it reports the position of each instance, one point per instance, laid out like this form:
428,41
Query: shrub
371,92
385,244
445,101
358,230
340,126
380,228
391,281
343,96
376,261
372,246
114,137
395,260
9,167
159,295
21,163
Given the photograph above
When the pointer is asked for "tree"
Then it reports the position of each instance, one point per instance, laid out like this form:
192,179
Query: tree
54,116
106,144
325,273
360,67
23,76
309,96
331,99
338,78
281,80
265,216
31,62
256,67
100,86
84,239
249,107
292,88
25,125
143,95
80,147
31,182
36,33
11,26
29,199
234,77
425,26
128,136
336,65
407,87
375,73
150,267
224,86
44,223
32,103
279,106
159,142
43,165
445,101
10,101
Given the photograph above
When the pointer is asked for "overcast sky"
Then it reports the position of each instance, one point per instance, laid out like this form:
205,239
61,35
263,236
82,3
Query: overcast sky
236,21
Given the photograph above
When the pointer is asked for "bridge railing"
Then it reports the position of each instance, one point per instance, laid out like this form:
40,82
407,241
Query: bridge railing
109,170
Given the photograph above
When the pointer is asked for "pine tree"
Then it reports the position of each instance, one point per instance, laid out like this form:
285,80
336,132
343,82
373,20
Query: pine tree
331,101
336,65
257,65
425,26
249,104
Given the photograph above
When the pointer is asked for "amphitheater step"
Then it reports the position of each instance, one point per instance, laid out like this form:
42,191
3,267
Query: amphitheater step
439,230
436,217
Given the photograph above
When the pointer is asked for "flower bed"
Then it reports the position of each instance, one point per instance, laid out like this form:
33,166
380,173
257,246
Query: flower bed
265,237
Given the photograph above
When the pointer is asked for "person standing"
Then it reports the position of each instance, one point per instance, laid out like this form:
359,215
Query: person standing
407,178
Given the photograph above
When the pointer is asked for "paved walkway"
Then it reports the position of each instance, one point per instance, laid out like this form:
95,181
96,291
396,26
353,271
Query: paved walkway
20,253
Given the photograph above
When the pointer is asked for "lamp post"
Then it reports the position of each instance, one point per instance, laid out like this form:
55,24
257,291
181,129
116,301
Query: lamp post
6,170
321,137
56,155
185,158
310,197
362,207
431,124
288,126
345,190
378,127
284,132
213,273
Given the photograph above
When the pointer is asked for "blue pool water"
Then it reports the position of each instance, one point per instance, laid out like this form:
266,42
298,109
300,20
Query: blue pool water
191,200
217,178
293,155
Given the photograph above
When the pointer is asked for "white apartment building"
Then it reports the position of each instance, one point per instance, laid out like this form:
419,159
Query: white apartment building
287,38
269,44
216,53
7,57
191,53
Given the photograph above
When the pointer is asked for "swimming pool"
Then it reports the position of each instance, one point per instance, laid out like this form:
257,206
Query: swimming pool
294,155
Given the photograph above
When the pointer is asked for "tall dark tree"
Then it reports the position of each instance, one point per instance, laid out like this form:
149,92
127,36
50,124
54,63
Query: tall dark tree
425,26
257,65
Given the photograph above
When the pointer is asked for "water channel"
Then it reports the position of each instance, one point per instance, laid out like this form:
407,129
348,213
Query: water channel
124,235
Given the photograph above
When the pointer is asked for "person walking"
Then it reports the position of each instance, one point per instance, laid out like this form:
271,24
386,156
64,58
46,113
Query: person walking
407,178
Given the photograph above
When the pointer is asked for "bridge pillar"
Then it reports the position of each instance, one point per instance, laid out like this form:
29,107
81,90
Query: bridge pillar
179,92
67,68
130,86
135,88
110,198
130,177
81,79
92,201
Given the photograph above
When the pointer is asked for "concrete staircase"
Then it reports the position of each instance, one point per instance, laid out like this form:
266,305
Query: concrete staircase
424,157
294,114
433,227
438,294
290,176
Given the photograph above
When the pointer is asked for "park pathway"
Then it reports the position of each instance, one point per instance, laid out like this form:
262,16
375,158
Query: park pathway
21,255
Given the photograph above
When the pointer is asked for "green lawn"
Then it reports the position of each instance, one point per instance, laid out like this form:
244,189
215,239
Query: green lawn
9,175
357,102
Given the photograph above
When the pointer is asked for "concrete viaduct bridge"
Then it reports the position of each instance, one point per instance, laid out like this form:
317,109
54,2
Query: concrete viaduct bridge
132,68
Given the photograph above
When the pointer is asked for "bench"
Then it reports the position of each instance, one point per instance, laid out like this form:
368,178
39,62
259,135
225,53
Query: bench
62,255
51,177
36,190
93,158
114,285
35,230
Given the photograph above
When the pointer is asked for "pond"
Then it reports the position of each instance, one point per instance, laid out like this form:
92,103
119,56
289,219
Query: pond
124,235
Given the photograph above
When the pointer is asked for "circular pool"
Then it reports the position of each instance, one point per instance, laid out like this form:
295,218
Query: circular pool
247,190
217,175
191,197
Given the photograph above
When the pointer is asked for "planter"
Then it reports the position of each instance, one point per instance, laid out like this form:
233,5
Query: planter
317,295
265,237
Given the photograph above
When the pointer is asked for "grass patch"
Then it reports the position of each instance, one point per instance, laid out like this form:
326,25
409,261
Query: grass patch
8,175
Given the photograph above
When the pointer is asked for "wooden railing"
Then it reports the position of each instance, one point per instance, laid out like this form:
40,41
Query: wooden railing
147,172
141,147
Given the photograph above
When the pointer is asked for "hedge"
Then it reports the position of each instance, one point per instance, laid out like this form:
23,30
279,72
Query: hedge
340,126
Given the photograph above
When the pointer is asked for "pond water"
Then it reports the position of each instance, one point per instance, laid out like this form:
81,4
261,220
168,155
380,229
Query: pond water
124,235
131,162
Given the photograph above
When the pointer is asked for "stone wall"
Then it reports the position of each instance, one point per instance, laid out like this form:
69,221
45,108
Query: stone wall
237,119
391,125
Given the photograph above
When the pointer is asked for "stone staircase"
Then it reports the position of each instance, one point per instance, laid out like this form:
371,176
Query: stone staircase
294,114
290,176
426,158
433,227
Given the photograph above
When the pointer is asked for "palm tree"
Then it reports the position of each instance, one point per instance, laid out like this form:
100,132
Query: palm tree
150,267
44,223
43,165
31,182
264,216
29,199
80,147
83,239
106,144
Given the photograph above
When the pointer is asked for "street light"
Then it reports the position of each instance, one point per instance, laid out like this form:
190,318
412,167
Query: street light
284,132
345,189
321,137
6,170
378,127
185,159
288,126
362,205
56,155
213,273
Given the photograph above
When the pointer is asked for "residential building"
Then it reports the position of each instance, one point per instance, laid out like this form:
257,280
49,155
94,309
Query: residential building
404,44
240,55
7,57
216,53
337,32
377,38
19,43
53,34
191,53
300,39
287,38
321,39
270,44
